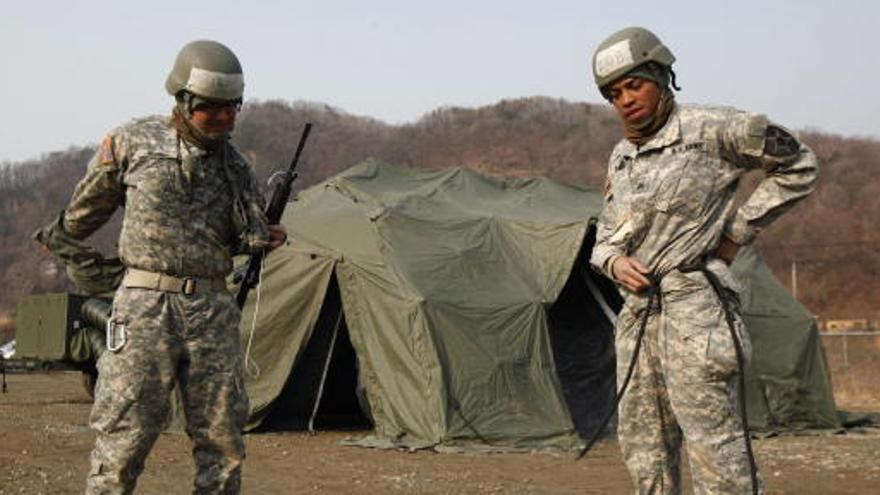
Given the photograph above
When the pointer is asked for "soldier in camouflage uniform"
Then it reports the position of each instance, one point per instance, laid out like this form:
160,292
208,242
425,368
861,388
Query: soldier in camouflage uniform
669,214
191,202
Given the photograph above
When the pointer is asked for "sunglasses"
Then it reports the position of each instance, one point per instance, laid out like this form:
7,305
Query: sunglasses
217,105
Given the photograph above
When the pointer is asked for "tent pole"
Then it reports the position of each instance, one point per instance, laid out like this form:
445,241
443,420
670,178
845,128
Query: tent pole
324,373
597,295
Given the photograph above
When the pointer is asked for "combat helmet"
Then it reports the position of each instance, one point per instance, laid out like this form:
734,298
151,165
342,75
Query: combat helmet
625,50
207,69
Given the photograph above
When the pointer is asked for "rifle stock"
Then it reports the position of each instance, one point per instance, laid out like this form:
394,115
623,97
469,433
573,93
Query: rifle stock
274,211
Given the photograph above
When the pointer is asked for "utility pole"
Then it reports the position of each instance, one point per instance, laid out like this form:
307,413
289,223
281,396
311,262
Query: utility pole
794,287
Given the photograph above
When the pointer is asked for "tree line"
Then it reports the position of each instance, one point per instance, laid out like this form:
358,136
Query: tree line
830,236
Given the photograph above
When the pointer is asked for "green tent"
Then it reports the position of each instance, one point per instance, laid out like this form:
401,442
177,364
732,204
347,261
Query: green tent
458,311
788,386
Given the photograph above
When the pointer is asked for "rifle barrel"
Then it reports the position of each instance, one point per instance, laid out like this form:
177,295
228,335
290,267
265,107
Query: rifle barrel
274,211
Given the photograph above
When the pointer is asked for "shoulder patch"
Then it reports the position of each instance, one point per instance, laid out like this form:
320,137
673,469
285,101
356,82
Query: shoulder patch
779,143
106,155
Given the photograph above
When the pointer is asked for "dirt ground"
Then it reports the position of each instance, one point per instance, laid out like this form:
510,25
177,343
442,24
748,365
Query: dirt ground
45,442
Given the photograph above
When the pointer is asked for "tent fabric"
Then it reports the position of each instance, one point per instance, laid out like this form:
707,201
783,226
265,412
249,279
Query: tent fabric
788,388
284,325
464,301
446,280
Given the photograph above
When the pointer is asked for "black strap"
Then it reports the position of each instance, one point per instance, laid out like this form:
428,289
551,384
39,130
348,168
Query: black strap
653,291
740,361
3,371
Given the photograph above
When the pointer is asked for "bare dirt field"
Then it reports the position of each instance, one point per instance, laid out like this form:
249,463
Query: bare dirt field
45,441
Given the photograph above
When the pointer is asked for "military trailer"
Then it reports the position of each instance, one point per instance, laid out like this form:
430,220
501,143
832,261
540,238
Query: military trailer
60,331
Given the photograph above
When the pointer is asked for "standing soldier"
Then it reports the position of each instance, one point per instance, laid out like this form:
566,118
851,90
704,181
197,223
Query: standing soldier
191,202
669,227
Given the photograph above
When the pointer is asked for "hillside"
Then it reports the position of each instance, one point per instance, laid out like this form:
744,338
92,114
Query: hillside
830,236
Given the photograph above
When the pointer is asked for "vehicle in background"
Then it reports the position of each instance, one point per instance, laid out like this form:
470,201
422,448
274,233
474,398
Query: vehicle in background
58,331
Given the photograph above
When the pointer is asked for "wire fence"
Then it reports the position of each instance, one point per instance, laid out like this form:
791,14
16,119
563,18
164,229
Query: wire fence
853,358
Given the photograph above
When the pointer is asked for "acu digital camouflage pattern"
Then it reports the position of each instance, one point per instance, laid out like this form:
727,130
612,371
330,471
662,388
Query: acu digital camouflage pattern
684,383
668,204
85,266
182,215
172,339
187,211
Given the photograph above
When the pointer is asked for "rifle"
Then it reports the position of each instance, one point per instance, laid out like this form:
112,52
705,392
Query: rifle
280,196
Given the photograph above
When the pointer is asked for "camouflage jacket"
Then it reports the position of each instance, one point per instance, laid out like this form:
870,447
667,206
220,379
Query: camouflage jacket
669,202
187,211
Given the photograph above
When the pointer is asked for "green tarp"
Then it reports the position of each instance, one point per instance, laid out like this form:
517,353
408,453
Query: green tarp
462,301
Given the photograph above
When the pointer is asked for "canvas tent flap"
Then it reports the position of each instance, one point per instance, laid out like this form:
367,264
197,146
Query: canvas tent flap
283,325
398,369
446,279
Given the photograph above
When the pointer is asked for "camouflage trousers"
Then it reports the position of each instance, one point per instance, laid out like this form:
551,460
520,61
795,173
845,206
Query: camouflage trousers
187,341
684,384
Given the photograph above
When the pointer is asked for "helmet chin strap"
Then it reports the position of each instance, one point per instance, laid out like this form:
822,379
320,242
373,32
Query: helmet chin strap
185,103
672,79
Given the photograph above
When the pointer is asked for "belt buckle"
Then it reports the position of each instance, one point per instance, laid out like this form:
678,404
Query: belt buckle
189,286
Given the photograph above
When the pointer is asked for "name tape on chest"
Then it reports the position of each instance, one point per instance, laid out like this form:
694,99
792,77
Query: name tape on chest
669,150
686,147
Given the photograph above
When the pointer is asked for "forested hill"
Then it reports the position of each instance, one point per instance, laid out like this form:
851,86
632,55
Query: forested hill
831,235
569,142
